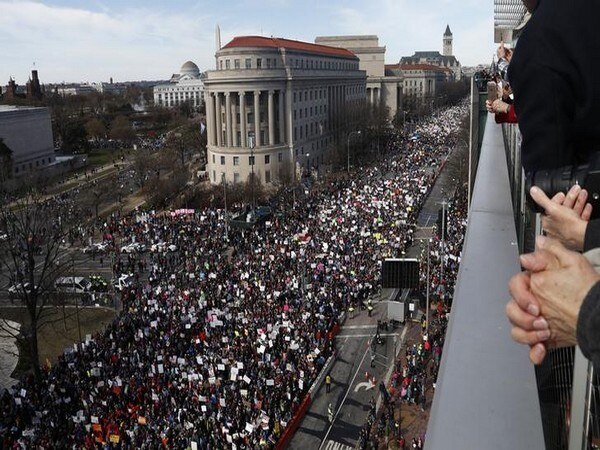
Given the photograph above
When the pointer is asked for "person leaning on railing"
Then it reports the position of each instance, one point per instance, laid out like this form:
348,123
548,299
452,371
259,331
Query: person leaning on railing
554,77
556,300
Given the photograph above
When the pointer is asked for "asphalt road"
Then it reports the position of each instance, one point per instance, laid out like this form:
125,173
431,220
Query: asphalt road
351,392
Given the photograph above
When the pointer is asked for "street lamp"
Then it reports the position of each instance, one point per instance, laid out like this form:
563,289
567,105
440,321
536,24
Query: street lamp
225,200
348,142
428,283
252,145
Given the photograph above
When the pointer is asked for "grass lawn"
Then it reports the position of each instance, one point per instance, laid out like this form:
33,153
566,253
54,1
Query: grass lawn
58,330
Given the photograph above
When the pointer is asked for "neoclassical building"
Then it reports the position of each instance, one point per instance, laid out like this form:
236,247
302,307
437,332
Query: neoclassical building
185,86
383,87
286,96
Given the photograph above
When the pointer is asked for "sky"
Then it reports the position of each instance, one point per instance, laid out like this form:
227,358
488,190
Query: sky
93,40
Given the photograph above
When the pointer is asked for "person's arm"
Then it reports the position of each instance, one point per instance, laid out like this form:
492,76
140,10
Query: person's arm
542,77
588,326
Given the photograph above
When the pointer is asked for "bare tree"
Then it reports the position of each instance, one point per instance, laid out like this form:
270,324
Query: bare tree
30,261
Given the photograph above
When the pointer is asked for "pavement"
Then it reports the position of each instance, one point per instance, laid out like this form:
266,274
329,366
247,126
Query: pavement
351,392
351,389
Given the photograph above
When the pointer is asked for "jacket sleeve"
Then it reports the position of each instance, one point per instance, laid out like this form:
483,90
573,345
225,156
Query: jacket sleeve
592,235
588,326
509,117
542,77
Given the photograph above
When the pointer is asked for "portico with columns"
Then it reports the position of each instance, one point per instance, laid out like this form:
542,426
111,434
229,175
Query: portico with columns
285,95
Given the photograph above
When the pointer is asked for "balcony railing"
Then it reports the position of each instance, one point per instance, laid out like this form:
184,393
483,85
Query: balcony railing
488,394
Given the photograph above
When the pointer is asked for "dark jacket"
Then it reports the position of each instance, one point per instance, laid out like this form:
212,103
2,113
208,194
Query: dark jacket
555,76
588,326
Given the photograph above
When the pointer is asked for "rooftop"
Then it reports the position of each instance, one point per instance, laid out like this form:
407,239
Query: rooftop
288,44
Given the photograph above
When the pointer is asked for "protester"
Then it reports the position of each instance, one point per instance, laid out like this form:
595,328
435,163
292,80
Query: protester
220,339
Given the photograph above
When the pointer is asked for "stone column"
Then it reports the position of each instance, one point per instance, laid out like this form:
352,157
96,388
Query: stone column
271,119
257,142
219,121
372,100
234,140
281,117
242,97
289,112
228,117
210,118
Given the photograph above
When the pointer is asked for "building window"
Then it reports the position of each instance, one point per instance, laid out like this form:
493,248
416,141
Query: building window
267,159
268,63
267,176
236,63
251,160
236,160
222,160
294,114
280,157
227,64
258,63
294,97
236,178
274,62
248,63
214,176
301,113
221,64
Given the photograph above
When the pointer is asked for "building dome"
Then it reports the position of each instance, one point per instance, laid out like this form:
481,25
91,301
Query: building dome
190,69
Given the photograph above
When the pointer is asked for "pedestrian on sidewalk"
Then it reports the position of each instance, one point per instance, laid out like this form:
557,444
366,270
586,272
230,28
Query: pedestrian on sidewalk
328,383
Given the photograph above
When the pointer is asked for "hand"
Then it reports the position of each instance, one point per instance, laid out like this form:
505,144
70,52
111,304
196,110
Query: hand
504,53
560,287
566,217
497,107
524,309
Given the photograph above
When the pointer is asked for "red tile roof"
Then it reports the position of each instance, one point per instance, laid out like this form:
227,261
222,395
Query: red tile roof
288,44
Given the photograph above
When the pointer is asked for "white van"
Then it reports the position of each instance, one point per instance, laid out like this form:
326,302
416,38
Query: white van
73,285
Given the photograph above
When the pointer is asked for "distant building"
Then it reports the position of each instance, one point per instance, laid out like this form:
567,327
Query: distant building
27,132
445,60
75,89
185,86
421,80
382,87
31,91
289,96
109,88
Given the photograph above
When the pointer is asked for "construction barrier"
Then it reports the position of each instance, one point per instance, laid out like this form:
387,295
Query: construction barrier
287,435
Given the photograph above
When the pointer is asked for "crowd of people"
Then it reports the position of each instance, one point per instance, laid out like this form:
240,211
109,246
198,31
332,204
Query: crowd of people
414,378
224,333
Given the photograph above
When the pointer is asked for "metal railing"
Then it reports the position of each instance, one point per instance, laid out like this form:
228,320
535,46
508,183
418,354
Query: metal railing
489,396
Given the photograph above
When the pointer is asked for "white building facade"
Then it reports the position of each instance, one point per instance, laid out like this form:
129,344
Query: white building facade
286,96
185,86
382,87
27,132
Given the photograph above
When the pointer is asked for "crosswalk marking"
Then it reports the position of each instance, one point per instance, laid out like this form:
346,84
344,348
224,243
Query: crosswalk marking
332,445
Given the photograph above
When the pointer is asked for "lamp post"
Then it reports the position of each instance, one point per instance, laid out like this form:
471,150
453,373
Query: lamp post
444,203
427,291
251,145
225,201
348,145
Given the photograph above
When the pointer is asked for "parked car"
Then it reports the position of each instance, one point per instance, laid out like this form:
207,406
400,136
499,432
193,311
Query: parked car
134,247
73,285
18,289
100,247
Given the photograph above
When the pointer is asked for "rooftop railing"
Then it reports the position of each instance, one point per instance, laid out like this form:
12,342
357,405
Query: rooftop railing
488,394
